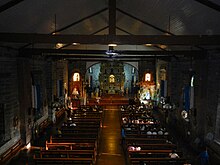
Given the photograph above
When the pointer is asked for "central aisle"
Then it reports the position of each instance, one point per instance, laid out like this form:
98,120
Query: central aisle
110,150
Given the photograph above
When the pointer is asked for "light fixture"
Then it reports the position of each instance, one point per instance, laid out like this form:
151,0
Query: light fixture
75,43
112,44
149,45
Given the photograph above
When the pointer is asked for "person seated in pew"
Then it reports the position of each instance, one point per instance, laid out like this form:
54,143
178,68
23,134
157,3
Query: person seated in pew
154,132
64,124
72,124
134,148
166,133
160,132
149,132
124,120
173,155
142,128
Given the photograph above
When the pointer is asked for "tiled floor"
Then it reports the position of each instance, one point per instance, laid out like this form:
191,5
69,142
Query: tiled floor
110,150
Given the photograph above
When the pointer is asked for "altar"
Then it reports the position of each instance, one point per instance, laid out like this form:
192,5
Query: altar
112,77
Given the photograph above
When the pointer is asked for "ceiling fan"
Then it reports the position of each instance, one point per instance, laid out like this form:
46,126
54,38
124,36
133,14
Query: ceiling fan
111,52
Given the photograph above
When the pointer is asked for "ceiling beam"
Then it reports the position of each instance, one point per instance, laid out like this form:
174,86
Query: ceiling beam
112,17
102,53
210,4
106,39
9,5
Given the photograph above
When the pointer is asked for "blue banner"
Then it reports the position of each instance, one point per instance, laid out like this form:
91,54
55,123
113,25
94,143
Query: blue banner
186,98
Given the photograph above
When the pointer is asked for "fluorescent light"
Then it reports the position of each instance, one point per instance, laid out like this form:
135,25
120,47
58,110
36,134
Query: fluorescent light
112,44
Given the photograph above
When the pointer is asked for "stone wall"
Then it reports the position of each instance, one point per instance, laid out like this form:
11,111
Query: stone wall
56,71
202,117
19,74
10,125
25,99
213,88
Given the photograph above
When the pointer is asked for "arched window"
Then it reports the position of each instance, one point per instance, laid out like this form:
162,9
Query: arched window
192,81
147,77
76,77
111,78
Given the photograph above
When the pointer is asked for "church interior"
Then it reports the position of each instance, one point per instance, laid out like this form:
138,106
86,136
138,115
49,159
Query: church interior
109,82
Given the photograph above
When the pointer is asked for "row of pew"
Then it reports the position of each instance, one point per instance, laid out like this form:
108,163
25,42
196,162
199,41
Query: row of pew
76,142
146,141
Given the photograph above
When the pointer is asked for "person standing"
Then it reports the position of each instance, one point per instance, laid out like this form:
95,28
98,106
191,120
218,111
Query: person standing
123,138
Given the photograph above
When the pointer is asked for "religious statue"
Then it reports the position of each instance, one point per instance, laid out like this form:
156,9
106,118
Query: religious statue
75,92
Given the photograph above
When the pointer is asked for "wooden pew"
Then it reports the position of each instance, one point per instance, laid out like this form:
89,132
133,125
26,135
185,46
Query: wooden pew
152,153
77,144
86,118
79,130
7,155
69,161
74,140
85,121
71,146
158,161
147,136
67,153
130,140
87,114
80,135
82,125
147,149
156,146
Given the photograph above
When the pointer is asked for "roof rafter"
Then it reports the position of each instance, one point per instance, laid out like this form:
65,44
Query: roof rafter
79,21
151,25
90,34
70,25
145,22
156,46
9,5
210,4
